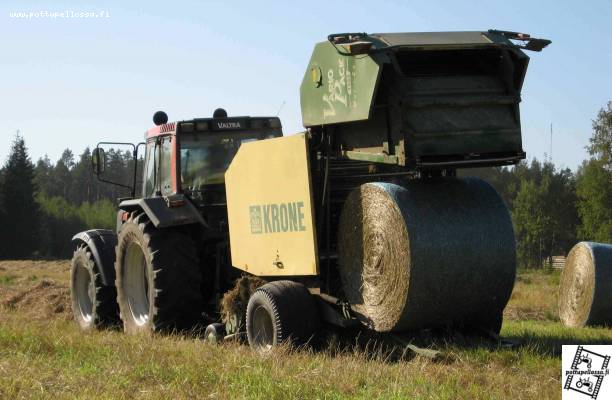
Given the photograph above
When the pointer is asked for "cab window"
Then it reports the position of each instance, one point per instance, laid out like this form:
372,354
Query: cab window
149,178
158,172
205,158
165,166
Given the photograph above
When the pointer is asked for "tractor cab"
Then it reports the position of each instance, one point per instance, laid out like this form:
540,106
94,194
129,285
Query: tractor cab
191,157
184,166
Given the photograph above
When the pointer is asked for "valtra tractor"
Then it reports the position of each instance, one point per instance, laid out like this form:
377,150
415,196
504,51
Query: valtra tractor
359,220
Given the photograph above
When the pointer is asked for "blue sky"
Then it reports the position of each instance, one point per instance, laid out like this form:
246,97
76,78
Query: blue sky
71,82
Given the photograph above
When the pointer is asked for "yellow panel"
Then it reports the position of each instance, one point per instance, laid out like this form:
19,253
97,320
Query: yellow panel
269,205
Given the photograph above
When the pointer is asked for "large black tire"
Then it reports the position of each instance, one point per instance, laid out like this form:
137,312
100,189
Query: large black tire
281,312
158,278
496,324
94,304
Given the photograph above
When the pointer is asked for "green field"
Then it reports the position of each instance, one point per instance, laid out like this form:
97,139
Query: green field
43,355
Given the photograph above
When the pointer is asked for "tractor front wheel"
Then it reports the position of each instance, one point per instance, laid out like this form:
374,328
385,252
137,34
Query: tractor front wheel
94,304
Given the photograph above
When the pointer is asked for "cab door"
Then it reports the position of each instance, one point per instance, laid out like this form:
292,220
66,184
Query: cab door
159,172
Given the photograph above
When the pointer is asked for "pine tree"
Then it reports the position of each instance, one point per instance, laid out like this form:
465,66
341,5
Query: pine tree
17,190
43,175
600,146
594,183
530,222
594,189
62,174
83,180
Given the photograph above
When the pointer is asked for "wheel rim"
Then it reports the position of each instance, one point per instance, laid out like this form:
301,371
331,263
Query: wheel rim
136,284
211,335
263,329
85,292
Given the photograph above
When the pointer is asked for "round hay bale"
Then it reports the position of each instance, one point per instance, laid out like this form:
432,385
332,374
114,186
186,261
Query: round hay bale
427,254
585,290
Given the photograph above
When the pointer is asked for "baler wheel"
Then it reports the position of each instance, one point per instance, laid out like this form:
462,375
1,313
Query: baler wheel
281,312
158,278
94,304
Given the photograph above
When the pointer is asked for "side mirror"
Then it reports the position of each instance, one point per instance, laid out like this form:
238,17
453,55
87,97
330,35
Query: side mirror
98,160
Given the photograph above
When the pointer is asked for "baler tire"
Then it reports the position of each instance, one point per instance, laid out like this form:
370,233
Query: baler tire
94,304
496,325
164,293
281,312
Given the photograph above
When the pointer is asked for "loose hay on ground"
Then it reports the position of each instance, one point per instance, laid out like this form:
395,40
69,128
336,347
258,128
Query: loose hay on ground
45,300
56,270
235,301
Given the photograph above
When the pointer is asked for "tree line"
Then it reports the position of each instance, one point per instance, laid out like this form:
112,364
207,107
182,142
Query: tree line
553,208
43,205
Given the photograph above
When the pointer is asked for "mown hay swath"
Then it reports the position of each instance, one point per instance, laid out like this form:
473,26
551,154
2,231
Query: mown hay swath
585,290
427,253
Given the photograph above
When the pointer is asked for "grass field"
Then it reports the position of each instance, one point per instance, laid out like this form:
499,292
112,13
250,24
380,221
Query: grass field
43,355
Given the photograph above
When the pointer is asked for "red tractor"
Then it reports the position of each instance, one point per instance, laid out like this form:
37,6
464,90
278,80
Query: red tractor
166,265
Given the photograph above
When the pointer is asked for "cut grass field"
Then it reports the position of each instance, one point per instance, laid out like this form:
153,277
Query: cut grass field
43,355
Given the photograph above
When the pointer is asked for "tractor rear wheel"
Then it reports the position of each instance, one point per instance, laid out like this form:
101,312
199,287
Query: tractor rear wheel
281,312
94,304
158,278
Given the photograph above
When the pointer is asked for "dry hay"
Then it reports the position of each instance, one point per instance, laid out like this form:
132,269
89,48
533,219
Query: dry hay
521,314
585,289
32,265
43,301
235,301
30,270
426,254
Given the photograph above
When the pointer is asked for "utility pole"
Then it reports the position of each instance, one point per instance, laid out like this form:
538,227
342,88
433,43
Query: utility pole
551,143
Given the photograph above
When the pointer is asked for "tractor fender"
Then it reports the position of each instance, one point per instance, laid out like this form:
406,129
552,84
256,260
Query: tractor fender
166,212
101,243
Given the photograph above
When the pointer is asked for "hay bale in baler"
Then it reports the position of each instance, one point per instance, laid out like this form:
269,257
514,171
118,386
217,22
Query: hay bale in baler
585,290
427,254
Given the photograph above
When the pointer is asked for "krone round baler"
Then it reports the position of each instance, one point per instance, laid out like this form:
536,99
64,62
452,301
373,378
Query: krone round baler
361,218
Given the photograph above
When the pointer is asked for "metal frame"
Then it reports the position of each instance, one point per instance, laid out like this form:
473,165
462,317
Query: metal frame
135,148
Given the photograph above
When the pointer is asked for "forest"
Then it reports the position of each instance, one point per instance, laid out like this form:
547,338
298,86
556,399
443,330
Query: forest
43,204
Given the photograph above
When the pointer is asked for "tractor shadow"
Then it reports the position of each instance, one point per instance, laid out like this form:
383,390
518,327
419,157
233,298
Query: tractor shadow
395,347
445,347
550,344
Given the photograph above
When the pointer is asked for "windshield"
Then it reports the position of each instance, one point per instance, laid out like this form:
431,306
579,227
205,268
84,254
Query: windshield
205,157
